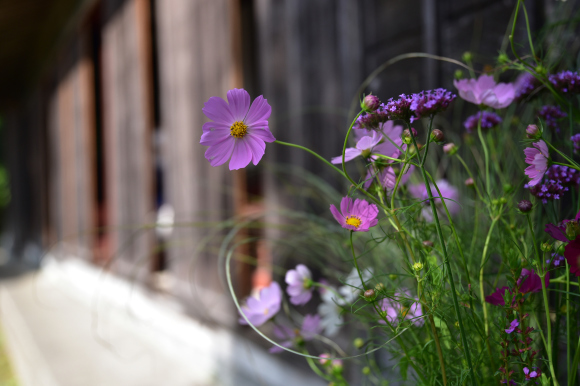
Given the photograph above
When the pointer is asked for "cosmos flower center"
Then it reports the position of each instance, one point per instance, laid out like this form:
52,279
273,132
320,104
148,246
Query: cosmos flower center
239,129
353,221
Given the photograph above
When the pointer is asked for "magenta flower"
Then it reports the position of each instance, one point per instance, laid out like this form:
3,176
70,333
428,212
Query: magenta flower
238,131
496,298
488,121
300,287
485,91
572,255
530,375
559,231
291,337
400,308
431,102
529,281
357,215
513,325
369,145
537,158
261,309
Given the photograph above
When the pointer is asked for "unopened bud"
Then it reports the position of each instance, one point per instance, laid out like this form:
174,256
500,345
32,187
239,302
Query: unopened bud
507,188
406,136
532,132
503,58
541,70
428,244
503,200
370,295
324,359
458,74
337,366
469,182
366,370
466,57
418,266
358,343
370,103
561,249
437,135
546,247
450,148
380,286
392,276
524,206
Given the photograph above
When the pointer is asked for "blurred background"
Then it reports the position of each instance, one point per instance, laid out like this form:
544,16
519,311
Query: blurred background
100,108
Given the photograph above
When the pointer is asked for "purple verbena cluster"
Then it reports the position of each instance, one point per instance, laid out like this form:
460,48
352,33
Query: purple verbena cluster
551,114
430,102
576,141
488,121
400,108
556,260
549,190
525,84
371,121
566,81
564,175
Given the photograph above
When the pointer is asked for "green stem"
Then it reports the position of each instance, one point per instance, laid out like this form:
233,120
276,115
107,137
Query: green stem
568,324
576,166
576,359
486,155
470,175
313,153
315,368
446,256
541,273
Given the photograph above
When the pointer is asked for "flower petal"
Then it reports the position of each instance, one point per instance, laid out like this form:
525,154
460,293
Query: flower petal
219,153
349,154
239,101
213,137
259,111
218,110
337,216
256,146
241,156
264,134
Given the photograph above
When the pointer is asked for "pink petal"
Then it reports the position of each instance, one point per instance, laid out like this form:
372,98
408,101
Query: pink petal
220,152
264,134
241,156
349,154
345,206
212,137
337,216
303,271
505,94
256,146
259,111
218,110
239,101
208,126
542,147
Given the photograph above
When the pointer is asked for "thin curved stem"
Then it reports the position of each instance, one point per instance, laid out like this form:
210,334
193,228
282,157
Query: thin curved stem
311,152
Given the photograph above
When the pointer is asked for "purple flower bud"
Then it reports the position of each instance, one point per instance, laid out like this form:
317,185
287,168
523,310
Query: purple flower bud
437,135
369,294
469,182
370,103
533,132
524,206
324,358
450,148
428,244
407,135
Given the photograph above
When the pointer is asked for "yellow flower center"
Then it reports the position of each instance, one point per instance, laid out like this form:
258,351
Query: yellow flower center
239,129
354,221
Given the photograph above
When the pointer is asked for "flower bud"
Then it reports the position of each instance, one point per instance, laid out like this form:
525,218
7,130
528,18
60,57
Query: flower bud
507,188
467,57
380,287
392,276
406,136
450,148
503,58
418,266
428,244
524,206
532,132
370,103
561,249
324,359
437,135
337,366
469,182
503,200
358,343
546,247
370,295
572,230
458,74
366,370
541,70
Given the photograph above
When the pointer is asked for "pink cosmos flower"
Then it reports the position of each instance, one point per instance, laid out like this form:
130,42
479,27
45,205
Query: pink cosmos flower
485,91
572,255
401,308
537,158
559,231
450,195
310,328
238,131
368,145
261,309
357,215
300,287
529,281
